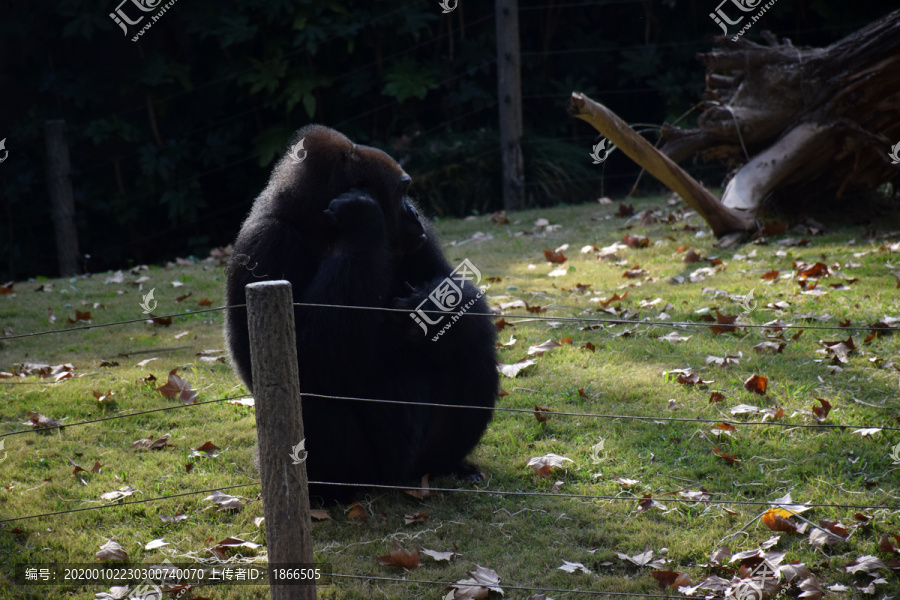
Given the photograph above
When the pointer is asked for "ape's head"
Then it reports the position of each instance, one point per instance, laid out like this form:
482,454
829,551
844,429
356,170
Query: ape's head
300,193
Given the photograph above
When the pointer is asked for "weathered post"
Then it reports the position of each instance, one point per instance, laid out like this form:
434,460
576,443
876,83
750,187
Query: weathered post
509,101
62,199
279,428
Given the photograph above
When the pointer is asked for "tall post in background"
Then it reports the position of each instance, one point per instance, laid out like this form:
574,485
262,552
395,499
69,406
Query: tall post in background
62,199
509,94
279,428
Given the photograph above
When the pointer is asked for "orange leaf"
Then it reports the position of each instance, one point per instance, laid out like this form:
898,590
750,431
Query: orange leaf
756,383
555,257
400,558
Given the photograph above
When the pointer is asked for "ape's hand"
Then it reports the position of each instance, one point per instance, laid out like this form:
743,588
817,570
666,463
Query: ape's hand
356,214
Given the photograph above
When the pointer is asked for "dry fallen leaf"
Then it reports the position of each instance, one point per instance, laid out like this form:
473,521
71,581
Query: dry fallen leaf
358,511
400,558
111,551
225,501
178,387
514,369
757,384
542,465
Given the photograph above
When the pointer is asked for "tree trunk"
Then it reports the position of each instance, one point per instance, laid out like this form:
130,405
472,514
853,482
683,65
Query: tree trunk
816,122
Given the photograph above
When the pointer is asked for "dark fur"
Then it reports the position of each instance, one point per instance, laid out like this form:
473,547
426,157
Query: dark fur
339,227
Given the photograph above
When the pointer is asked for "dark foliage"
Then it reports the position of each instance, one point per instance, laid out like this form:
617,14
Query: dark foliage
170,135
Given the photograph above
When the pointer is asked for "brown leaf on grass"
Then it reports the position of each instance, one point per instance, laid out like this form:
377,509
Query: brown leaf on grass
111,551
805,271
778,519
174,518
208,449
438,556
691,257
821,412
756,384
615,298
480,583
150,444
423,491
770,275
164,321
502,324
115,495
81,317
6,288
540,413
513,369
39,421
673,579
555,257
590,346
535,309
635,272
77,468
644,504
358,512
320,514
716,397
731,459
177,387
499,218
774,348
724,323
839,350
543,347
886,544
418,517
865,564
184,297
225,501
400,558
224,547
636,241
100,396
690,378
625,210
542,465
205,302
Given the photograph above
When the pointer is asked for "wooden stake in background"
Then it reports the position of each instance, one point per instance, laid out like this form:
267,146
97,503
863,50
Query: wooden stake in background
279,428
62,199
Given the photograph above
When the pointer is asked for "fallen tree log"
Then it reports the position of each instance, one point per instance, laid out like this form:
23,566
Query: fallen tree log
722,220
811,123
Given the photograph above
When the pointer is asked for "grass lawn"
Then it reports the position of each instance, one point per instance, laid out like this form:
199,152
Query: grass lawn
523,538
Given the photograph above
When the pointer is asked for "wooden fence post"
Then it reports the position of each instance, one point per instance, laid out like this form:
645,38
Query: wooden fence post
62,199
279,428
509,101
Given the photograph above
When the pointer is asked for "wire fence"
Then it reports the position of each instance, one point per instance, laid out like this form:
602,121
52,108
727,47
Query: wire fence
708,501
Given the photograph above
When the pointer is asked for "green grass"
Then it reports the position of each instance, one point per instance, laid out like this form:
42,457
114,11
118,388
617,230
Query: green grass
523,538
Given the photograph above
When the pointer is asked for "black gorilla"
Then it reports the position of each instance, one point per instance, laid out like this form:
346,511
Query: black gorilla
340,228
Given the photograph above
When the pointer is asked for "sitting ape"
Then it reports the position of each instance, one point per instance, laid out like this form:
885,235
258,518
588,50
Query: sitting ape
340,228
